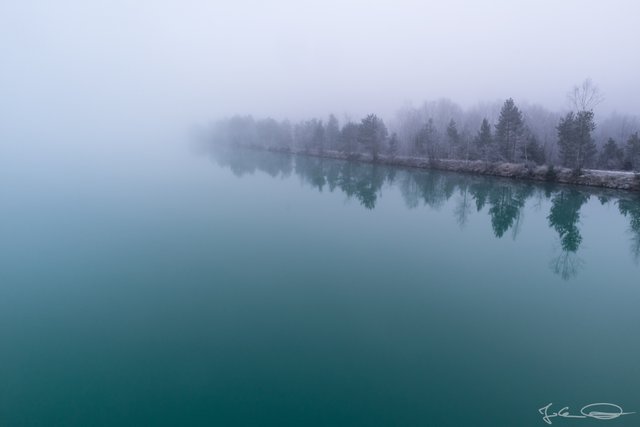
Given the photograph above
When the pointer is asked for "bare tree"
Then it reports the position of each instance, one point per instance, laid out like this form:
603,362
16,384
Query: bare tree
586,96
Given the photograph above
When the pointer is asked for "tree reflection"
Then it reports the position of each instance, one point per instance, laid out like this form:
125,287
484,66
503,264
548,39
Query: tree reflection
243,162
506,202
567,264
362,181
312,171
564,217
631,208
463,207
431,187
480,193
505,199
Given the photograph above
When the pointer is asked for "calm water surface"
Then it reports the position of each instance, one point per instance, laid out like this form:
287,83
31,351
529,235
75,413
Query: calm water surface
250,289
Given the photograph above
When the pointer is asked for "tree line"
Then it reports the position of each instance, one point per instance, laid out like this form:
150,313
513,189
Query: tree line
442,130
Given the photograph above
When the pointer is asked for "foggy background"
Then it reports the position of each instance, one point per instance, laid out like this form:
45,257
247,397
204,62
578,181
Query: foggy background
114,73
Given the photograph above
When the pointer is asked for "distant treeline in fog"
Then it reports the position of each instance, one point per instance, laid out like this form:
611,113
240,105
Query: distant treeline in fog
500,132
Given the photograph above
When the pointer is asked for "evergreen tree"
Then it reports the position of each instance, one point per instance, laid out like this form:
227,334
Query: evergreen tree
566,138
372,134
484,141
587,149
453,138
509,131
534,150
577,148
611,156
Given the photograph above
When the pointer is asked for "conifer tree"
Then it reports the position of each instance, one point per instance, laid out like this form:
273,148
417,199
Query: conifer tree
575,142
509,131
484,141
611,156
372,134
453,138
534,151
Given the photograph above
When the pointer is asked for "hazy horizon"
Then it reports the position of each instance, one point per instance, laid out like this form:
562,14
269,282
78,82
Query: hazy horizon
117,65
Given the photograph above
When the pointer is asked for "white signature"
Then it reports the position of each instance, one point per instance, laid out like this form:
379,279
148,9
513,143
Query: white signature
598,411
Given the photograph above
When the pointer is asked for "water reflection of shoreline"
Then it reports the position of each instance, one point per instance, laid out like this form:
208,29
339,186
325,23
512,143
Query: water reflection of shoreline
503,198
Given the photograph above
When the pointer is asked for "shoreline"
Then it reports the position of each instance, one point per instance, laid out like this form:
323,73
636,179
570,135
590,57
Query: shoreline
618,180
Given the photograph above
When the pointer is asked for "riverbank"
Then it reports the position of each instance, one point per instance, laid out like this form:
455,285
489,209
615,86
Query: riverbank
618,180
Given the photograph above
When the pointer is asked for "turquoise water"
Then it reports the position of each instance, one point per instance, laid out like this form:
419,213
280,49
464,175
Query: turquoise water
250,289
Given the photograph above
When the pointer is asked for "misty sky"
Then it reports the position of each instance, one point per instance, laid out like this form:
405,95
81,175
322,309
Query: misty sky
146,62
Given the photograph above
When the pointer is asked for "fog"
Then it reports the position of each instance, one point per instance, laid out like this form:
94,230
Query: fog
253,212
125,72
